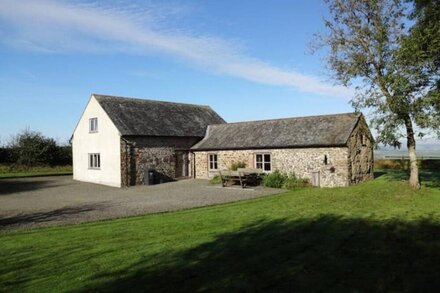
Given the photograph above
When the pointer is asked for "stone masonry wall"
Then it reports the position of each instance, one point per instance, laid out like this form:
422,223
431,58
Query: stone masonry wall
138,154
302,162
360,160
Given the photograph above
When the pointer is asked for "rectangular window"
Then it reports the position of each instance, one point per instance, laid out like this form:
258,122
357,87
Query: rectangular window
93,125
94,161
213,162
364,139
263,161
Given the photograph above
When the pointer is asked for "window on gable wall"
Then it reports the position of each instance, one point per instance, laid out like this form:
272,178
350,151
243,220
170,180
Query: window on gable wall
213,161
93,125
364,139
94,161
263,161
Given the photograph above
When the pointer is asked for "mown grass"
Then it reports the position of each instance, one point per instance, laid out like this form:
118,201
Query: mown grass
377,236
15,171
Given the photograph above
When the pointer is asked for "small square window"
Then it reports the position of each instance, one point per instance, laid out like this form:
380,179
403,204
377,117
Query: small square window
263,161
93,125
94,161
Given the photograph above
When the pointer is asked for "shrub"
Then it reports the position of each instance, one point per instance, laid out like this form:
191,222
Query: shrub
216,180
280,180
7,155
293,182
391,164
237,165
32,148
275,179
64,155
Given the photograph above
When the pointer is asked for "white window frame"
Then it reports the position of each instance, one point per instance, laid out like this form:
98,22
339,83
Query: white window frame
94,161
93,125
212,162
263,162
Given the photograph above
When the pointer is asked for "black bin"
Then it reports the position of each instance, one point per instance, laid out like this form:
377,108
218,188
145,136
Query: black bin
150,177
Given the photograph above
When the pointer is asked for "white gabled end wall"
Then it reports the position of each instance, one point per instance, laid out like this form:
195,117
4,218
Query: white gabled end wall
106,142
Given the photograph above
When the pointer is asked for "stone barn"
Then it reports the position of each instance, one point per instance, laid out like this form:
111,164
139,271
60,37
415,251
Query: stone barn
330,150
122,141
118,140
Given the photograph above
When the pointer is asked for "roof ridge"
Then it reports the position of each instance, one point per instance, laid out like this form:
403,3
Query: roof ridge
148,100
290,118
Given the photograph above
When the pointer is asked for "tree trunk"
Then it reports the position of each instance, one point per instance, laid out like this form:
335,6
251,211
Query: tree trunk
414,181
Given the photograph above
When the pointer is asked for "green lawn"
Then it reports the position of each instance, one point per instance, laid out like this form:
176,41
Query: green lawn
11,171
378,236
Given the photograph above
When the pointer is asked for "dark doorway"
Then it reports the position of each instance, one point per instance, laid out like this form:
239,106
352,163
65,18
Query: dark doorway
182,164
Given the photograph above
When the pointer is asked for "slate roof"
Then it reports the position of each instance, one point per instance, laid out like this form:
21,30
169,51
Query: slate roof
156,118
312,131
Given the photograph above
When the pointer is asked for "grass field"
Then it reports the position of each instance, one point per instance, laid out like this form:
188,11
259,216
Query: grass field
11,171
377,236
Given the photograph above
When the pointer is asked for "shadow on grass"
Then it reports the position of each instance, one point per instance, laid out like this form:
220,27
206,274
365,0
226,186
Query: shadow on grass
328,253
427,177
39,218
380,173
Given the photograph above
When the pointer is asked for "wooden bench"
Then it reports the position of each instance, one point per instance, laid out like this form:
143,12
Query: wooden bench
251,171
244,176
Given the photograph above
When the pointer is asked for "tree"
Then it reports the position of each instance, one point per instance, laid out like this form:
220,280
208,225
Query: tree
33,148
368,48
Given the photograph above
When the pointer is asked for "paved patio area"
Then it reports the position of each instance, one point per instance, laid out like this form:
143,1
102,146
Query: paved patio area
43,201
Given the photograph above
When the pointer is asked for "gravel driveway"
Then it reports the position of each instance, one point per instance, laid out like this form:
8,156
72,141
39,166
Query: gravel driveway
43,201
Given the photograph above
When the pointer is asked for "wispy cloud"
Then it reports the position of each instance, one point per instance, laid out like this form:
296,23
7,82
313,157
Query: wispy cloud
50,26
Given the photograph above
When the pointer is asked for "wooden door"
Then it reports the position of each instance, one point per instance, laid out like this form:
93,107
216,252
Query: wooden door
316,179
182,164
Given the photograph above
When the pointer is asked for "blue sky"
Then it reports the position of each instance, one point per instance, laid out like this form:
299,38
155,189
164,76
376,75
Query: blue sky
247,59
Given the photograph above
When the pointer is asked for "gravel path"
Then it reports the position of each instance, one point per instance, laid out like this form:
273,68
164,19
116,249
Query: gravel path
43,201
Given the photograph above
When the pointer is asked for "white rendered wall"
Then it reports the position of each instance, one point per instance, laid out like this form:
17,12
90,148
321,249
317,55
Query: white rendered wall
106,142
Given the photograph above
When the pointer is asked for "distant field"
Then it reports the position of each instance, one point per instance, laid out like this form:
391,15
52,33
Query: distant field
425,165
13,171
380,154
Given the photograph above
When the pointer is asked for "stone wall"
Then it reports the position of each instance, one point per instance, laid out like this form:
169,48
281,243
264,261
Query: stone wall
302,162
360,159
139,154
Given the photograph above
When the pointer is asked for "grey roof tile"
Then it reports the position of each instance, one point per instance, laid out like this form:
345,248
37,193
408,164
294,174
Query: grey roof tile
156,118
312,131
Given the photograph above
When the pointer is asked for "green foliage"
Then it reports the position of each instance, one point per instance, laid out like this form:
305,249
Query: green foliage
216,180
237,165
306,237
7,155
277,179
421,53
293,182
32,148
391,164
64,155
397,70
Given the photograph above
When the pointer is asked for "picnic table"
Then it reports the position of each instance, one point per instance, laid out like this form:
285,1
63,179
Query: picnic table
244,176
